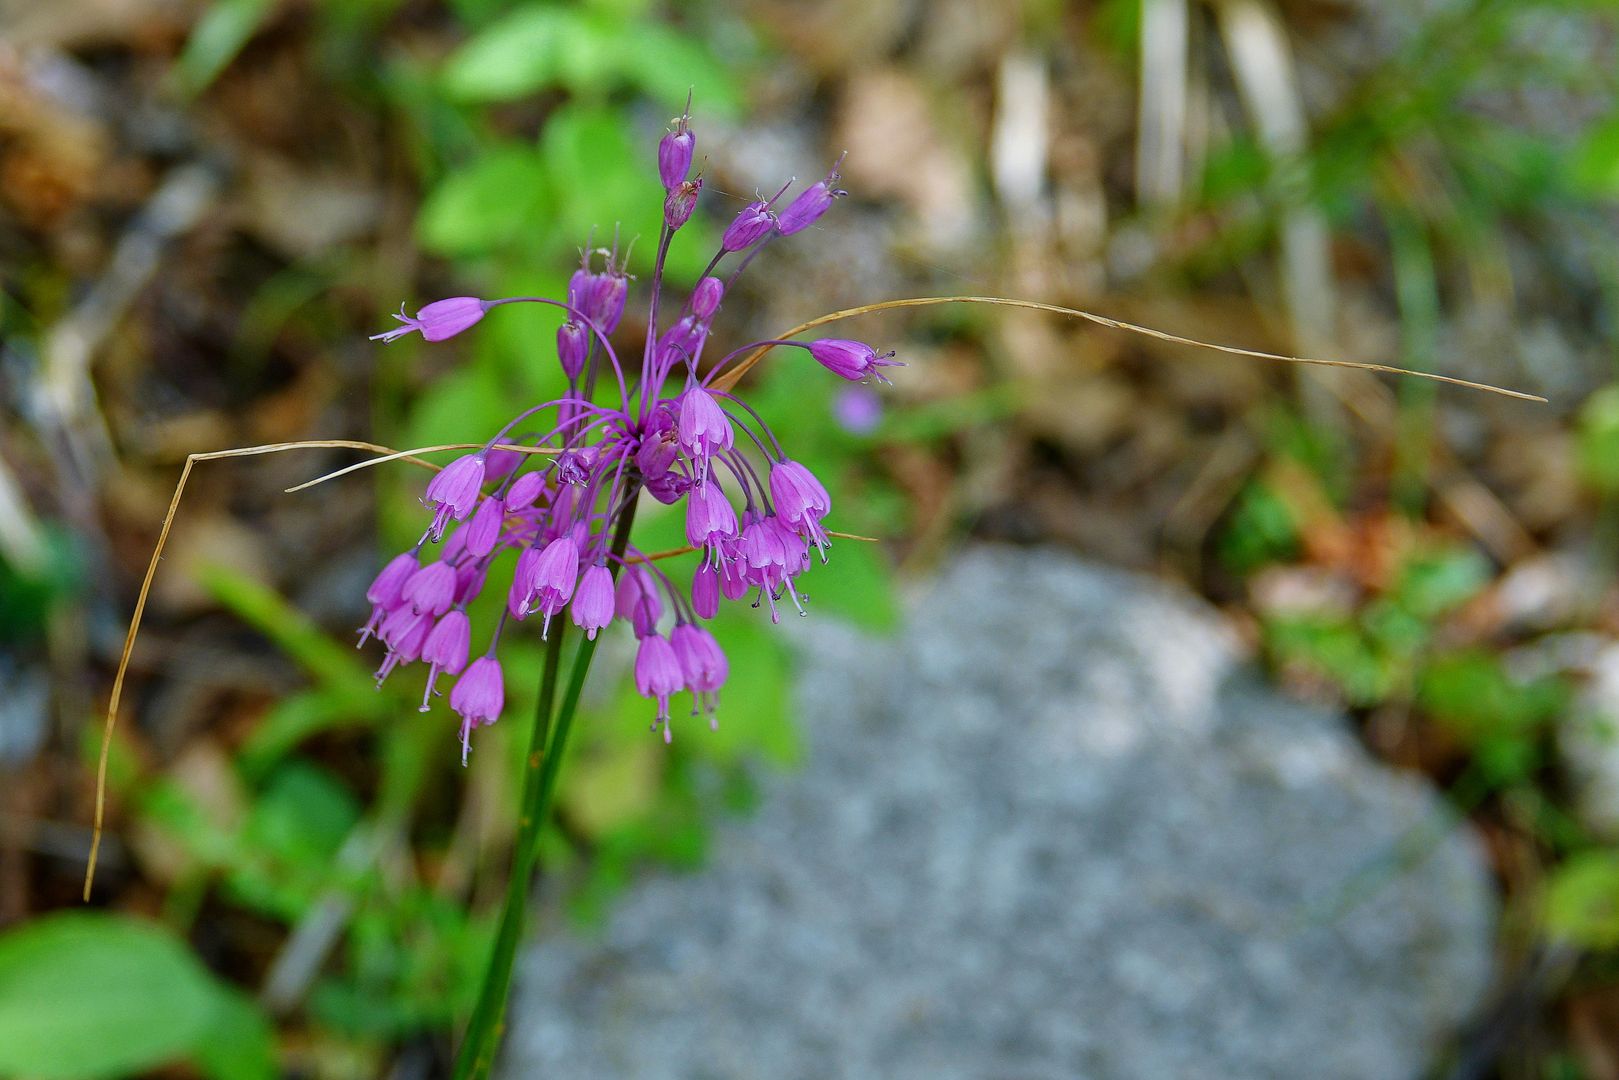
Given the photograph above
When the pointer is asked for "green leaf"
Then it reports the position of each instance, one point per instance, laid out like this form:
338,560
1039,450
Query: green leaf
239,1042
1599,439
856,584
1596,160
1582,901
225,27
86,995
588,54
531,49
502,199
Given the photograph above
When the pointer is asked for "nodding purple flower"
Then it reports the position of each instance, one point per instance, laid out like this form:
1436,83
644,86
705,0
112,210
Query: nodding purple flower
524,490
551,577
453,491
853,360
637,600
445,649
439,320
703,665
706,297
801,501
774,556
607,439
705,590
710,517
755,222
675,150
594,601
681,202
430,590
385,590
811,203
484,528
479,695
573,348
704,428
403,631
658,675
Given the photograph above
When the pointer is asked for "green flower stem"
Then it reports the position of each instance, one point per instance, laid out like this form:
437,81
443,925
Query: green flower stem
479,1045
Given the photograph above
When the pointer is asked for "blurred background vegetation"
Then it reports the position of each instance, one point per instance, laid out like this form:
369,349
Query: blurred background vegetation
204,209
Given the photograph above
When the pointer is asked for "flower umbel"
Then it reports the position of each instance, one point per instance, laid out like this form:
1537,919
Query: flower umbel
552,520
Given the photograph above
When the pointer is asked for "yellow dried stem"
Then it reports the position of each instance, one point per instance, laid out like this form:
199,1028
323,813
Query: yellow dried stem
729,379
151,572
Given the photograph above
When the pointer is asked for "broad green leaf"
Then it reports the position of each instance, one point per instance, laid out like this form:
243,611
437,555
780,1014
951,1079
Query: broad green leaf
239,1042
1582,902
857,584
500,201
224,28
1599,439
86,995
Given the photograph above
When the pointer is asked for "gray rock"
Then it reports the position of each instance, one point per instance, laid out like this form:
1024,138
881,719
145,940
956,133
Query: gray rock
1052,830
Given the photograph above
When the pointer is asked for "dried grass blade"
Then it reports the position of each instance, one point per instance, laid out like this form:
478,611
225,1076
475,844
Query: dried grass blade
730,378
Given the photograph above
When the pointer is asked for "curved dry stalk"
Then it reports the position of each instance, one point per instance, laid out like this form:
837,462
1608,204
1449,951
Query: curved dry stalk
729,379
405,455
146,588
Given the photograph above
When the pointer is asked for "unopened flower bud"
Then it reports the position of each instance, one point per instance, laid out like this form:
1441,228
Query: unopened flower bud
706,297
682,200
755,221
811,203
573,348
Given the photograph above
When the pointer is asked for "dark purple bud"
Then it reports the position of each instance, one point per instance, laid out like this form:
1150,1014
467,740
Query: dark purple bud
705,299
573,348
811,203
674,152
754,222
682,200
604,302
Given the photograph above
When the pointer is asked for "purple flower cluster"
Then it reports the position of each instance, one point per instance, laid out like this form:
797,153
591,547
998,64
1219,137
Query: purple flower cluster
751,513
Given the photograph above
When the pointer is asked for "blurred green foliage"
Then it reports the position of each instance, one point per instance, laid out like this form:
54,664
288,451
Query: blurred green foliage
512,188
86,995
